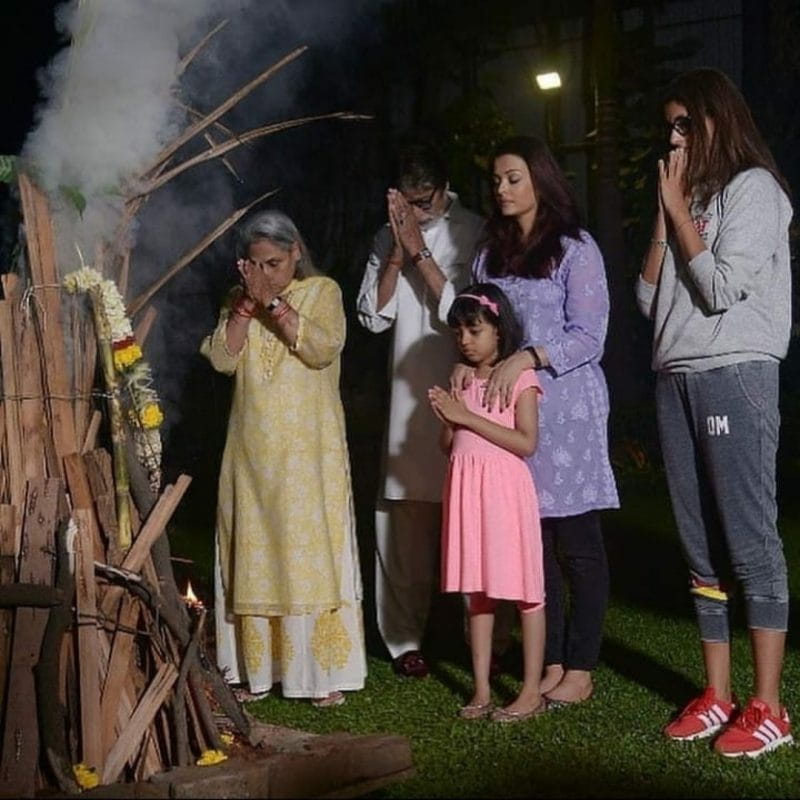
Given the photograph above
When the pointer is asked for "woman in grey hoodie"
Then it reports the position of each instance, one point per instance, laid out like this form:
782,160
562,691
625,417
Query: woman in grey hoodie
716,283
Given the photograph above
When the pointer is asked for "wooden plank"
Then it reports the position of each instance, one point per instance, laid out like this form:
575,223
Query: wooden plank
142,717
81,493
101,481
90,440
119,663
11,406
44,273
38,454
8,571
123,711
154,526
88,652
20,752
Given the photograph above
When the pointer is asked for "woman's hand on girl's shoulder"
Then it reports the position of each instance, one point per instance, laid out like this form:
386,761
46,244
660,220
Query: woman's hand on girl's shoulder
461,377
504,377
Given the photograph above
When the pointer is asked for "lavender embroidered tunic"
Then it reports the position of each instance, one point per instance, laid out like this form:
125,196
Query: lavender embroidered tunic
567,314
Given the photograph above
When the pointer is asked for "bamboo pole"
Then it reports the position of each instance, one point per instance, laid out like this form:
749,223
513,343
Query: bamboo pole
118,437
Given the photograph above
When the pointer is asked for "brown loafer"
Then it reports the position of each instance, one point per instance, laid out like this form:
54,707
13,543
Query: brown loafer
411,664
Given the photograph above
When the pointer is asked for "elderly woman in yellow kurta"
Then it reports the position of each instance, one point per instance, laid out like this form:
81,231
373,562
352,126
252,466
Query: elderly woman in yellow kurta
288,586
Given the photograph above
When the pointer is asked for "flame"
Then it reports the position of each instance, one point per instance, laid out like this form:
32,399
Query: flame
190,596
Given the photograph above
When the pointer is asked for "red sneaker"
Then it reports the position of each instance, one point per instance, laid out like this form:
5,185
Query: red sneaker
754,731
704,716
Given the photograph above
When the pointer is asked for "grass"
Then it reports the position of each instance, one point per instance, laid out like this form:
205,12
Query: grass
609,747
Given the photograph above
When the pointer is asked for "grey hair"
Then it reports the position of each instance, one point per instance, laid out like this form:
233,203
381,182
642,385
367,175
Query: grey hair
279,229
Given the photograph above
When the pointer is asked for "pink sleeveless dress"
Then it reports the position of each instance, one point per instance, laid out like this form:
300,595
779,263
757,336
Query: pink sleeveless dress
491,537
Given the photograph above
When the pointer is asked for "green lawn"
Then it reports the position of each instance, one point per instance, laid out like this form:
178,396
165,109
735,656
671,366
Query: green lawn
608,747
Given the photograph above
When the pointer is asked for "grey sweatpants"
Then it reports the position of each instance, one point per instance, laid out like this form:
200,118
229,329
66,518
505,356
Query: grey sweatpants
719,439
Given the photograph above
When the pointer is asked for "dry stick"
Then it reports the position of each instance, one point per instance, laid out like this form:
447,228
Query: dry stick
135,305
181,728
221,149
145,323
189,57
200,126
199,115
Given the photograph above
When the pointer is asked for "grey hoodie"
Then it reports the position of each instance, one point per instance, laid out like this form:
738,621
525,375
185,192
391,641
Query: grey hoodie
732,302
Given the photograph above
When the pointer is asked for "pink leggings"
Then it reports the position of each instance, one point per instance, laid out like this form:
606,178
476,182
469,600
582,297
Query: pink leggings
479,603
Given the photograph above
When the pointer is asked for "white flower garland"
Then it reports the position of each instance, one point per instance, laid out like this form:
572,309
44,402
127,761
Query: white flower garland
130,365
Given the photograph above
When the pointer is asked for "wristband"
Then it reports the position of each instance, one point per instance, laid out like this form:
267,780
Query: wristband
659,242
421,255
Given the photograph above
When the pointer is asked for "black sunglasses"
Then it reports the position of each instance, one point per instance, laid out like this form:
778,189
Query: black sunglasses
681,125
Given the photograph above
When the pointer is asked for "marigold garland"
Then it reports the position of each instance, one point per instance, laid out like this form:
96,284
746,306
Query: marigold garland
146,414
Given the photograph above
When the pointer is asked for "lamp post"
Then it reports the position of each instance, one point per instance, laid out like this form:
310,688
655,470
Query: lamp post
549,83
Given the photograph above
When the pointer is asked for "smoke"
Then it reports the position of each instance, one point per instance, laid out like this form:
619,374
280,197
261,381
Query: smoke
113,99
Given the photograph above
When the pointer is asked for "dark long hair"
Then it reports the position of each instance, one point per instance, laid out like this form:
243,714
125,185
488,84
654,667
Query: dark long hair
538,255
736,143
468,310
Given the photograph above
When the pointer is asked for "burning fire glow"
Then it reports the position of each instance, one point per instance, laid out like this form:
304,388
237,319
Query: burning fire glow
190,597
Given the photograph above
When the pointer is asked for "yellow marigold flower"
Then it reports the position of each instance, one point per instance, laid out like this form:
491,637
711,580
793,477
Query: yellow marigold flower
86,777
210,757
151,416
227,738
126,356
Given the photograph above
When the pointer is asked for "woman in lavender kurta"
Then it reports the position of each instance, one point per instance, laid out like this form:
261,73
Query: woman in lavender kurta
553,273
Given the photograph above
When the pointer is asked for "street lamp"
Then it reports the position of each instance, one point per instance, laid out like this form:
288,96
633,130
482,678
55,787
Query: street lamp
547,81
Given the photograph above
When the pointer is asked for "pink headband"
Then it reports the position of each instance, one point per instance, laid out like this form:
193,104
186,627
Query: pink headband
484,301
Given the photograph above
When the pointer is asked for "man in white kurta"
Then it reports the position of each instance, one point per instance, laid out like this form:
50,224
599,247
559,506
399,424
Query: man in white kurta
419,261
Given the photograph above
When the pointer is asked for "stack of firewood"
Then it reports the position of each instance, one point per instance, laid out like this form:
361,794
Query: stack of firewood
103,673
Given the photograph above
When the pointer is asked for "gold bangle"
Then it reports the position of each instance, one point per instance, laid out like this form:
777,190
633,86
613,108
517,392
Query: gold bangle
659,242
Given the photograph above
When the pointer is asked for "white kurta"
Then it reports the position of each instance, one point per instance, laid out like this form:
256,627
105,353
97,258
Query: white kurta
423,349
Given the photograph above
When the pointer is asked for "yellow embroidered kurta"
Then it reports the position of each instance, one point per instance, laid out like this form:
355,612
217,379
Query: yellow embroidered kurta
285,522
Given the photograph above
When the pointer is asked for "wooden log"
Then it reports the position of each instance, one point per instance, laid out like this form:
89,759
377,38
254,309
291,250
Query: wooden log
140,720
44,273
33,595
20,752
88,652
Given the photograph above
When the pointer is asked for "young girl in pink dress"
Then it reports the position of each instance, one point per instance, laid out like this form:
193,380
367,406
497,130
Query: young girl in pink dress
491,545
